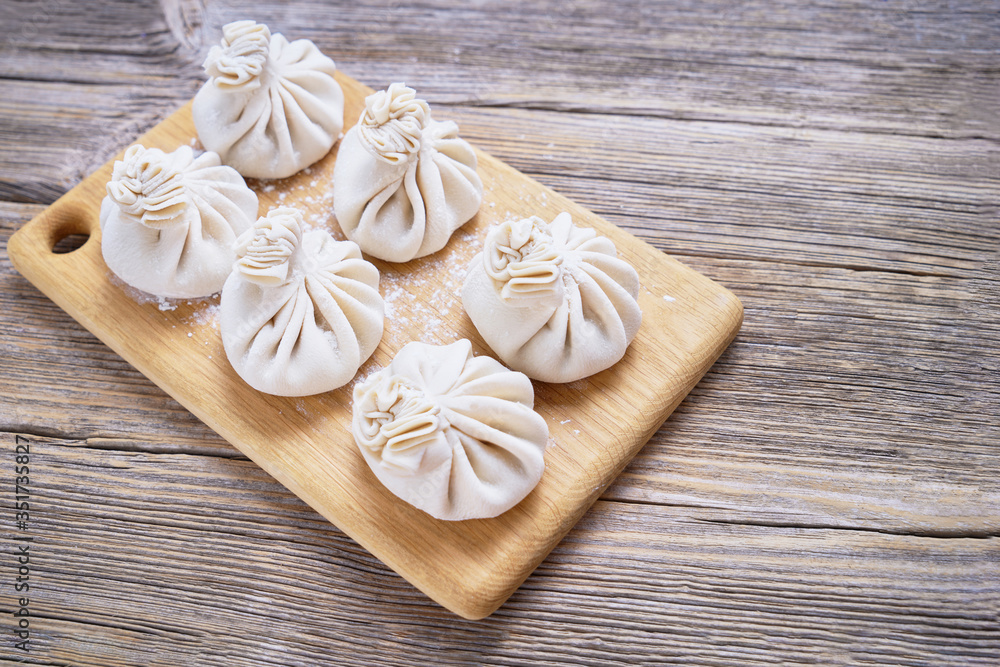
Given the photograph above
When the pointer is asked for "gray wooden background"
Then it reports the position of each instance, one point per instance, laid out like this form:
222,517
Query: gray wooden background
828,494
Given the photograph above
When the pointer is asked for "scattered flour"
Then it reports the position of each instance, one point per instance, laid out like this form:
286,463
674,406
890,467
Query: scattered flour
142,298
425,302
206,316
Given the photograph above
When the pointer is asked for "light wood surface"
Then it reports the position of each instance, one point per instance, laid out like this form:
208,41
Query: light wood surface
827,494
596,425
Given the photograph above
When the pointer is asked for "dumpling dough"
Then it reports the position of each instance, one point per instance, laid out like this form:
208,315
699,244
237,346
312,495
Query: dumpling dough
552,300
403,182
301,311
451,434
170,219
270,108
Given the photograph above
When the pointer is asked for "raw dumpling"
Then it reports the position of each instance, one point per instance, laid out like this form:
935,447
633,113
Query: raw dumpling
552,300
403,182
170,219
270,107
301,311
454,435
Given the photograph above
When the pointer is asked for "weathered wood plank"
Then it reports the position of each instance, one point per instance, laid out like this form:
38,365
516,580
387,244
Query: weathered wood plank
900,364
816,66
912,204
820,64
57,378
896,203
176,559
854,397
53,135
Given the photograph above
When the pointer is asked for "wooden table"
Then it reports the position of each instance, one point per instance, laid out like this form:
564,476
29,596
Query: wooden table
828,494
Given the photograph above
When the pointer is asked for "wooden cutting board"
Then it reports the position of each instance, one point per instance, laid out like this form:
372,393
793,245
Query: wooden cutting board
596,425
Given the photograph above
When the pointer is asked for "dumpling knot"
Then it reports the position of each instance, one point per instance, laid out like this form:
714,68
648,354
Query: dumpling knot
265,250
521,257
148,184
393,121
398,420
242,56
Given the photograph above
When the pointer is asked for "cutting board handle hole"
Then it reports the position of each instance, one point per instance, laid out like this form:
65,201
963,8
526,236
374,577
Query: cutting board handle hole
69,243
67,230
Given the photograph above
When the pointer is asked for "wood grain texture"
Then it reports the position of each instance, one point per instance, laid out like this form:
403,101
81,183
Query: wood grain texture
263,580
826,494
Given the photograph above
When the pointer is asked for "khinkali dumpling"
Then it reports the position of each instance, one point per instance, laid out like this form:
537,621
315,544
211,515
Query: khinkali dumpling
451,434
270,107
403,182
552,300
170,219
301,311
